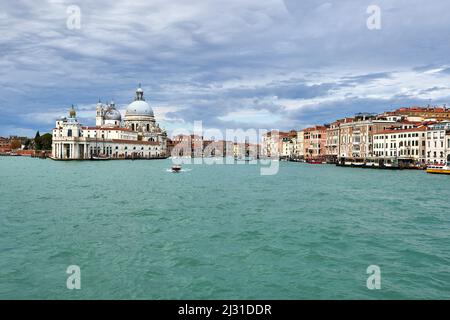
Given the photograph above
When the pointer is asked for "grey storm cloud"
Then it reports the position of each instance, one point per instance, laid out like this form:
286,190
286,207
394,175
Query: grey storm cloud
203,60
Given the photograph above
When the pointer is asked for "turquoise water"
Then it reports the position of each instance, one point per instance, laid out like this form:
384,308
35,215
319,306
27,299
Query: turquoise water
220,232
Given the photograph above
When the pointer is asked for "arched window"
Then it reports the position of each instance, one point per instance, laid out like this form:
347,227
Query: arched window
132,126
148,127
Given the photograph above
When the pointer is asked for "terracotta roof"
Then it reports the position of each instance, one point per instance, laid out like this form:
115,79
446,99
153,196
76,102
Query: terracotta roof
419,129
316,128
420,109
410,122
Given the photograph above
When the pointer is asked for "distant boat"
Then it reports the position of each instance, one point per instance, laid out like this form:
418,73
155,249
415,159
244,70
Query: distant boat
314,162
176,168
439,169
100,157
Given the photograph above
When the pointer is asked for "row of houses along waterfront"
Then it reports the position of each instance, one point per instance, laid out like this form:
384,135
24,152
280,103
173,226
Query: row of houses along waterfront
197,146
406,136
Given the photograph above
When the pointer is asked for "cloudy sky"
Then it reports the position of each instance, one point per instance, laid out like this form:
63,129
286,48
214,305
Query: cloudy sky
230,63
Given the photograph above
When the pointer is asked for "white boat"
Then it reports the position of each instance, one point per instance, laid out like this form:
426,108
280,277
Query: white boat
439,169
100,157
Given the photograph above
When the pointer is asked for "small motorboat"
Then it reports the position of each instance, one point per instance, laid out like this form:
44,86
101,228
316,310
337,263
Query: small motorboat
176,168
100,157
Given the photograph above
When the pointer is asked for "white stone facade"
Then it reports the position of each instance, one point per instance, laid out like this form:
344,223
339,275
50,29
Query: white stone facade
403,144
138,136
438,143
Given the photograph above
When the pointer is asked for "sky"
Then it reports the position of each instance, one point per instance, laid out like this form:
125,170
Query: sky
232,64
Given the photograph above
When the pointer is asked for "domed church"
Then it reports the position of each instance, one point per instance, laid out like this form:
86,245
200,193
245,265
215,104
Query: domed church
139,115
137,135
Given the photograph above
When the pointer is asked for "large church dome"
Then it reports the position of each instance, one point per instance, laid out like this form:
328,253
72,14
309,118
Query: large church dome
139,107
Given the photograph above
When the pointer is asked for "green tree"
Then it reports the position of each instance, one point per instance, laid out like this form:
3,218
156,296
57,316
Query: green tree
37,141
46,142
28,144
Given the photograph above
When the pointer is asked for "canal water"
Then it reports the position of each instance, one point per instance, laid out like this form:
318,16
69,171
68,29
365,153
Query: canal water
138,231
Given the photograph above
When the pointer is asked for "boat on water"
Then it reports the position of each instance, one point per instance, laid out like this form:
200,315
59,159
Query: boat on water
176,168
314,162
100,157
439,169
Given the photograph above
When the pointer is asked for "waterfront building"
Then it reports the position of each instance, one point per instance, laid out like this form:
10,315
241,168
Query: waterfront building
447,152
170,146
287,148
407,146
209,148
253,150
272,143
356,135
298,145
238,150
315,139
188,146
268,149
219,148
333,143
438,143
276,144
137,136
5,145
246,150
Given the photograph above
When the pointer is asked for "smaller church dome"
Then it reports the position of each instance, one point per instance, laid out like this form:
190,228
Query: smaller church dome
113,114
72,112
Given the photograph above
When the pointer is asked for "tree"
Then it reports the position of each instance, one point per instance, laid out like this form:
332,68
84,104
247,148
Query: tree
28,144
16,144
37,141
45,142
